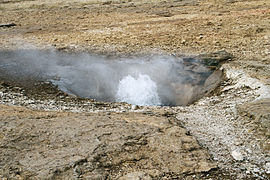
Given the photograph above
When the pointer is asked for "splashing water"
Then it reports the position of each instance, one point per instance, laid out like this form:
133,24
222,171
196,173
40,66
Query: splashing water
141,91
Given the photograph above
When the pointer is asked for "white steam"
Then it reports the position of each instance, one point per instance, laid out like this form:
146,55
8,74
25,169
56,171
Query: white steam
140,91
145,80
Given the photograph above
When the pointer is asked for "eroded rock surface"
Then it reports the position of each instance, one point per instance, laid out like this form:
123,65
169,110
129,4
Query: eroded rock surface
37,144
257,114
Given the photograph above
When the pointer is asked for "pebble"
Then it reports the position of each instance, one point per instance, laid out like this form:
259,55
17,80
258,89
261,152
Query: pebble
134,107
267,166
249,150
237,155
237,143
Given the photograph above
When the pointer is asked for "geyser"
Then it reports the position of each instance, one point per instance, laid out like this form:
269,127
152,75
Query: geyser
139,91
145,80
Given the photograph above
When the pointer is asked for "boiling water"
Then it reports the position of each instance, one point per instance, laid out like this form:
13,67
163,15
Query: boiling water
140,91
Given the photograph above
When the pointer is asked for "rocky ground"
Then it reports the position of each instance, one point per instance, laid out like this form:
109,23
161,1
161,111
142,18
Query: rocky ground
50,134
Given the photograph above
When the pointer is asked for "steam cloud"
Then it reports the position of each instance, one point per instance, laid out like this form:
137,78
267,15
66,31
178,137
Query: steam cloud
149,80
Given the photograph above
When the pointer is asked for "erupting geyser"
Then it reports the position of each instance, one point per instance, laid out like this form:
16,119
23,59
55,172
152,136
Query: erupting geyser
140,91
146,80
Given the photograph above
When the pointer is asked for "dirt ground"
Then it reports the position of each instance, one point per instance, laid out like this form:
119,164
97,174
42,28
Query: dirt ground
181,27
222,128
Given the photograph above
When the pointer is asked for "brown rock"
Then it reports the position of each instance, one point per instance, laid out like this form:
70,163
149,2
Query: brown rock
39,144
257,113
215,58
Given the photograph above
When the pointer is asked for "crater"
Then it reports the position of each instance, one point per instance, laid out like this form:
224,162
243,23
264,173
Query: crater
150,80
